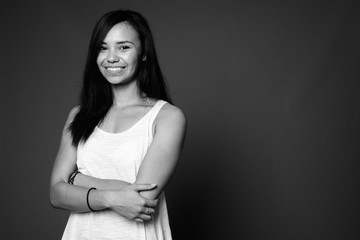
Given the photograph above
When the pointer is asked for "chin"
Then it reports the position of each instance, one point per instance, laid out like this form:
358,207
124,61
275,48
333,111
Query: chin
120,82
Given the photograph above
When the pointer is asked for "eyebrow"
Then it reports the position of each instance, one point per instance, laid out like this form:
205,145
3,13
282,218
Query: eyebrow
121,42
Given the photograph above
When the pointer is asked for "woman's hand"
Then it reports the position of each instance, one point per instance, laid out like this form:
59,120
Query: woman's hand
130,204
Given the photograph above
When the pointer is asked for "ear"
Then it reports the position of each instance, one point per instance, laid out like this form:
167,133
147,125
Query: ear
144,58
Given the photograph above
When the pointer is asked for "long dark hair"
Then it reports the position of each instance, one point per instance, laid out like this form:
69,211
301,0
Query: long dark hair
96,96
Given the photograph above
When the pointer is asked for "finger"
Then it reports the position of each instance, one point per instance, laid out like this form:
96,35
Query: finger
144,217
148,210
151,203
143,187
139,220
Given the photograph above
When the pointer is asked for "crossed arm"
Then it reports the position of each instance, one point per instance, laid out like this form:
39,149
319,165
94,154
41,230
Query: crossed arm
135,201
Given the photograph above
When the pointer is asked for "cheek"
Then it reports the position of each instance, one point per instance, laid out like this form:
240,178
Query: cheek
135,60
99,60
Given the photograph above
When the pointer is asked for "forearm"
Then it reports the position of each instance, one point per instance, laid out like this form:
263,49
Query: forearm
127,203
74,198
87,181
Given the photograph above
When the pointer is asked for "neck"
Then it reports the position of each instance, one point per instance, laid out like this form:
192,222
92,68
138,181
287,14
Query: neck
125,95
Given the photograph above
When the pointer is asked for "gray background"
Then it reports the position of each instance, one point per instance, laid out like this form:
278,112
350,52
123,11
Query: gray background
270,89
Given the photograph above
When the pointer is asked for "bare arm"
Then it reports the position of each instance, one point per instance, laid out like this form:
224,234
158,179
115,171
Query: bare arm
63,195
126,202
162,156
102,184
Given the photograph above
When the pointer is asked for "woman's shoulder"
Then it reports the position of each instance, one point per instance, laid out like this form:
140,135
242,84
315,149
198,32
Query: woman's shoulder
74,110
72,113
171,114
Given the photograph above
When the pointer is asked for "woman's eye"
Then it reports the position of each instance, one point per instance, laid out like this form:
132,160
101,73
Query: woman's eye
124,47
102,48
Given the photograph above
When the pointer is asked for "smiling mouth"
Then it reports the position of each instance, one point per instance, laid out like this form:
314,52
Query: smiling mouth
114,69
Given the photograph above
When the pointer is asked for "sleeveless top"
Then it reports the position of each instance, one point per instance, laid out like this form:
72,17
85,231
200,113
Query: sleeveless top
118,156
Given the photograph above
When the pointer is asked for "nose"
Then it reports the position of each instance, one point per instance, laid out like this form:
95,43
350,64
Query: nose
112,57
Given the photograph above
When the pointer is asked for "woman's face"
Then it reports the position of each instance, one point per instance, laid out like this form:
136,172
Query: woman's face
119,54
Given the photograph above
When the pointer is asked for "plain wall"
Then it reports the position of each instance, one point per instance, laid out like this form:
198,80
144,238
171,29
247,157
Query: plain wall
270,90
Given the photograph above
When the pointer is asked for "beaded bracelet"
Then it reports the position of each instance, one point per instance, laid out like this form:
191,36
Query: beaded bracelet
87,199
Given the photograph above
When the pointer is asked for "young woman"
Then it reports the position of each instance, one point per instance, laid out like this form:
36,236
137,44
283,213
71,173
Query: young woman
120,146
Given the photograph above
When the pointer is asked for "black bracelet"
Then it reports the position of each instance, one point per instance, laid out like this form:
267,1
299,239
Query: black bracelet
72,177
87,199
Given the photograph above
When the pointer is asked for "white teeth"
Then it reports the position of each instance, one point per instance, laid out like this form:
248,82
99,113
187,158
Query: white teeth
113,69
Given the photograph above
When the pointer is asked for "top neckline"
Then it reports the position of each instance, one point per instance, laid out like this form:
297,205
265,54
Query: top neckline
132,126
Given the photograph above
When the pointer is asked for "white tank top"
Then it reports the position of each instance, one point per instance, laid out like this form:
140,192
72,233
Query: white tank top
118,156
